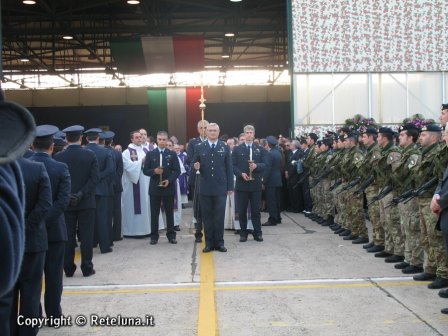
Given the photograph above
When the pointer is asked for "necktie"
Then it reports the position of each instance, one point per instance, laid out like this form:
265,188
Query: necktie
250,152
161,159
213,147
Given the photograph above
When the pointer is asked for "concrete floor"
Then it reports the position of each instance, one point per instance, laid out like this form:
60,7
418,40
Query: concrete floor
302,280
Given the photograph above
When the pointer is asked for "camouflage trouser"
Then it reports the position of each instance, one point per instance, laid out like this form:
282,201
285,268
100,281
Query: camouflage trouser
394,242
341,206
374,215
327,199
319,199
356,215
410,226
313,197
432,240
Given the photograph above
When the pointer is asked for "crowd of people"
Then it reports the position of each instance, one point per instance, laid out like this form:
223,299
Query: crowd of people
99,193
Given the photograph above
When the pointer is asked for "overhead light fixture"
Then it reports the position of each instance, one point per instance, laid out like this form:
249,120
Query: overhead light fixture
225,56
29,2
67,37
133,2
229,34
24,59
236,0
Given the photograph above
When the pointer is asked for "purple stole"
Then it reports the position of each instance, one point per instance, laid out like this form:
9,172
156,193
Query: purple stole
183,183
135,186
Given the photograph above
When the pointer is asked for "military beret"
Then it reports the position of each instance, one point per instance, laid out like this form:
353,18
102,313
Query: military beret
271,140
75,129
407,127
327,142
313,136
44,131
303,140
431,128
371,130
386,130
444,107
93,131
319,142
352,135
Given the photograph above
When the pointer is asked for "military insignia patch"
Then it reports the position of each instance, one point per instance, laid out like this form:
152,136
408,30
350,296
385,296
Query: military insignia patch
393,157
413,160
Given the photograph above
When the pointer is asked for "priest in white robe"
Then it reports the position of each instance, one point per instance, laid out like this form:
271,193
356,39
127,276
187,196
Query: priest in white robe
135,206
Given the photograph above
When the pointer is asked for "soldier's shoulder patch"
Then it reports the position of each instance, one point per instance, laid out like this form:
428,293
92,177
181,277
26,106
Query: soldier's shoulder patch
393,157
413,160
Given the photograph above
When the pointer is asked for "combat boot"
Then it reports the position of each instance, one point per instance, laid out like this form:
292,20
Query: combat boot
382,254
394,259
411,269
402,265
438,283
369,245
345,233
376,248
361,240
350,237
424,277
338,231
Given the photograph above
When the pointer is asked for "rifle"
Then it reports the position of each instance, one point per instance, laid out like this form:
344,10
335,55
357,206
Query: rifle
423,188
336,184
401,198
303,178
364,185
320,177
386,190
350,185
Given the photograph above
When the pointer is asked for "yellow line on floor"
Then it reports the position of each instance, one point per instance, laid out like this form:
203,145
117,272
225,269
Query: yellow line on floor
77,255
128,291
207,323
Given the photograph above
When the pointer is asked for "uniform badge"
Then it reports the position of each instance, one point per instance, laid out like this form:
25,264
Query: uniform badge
413,160
393,157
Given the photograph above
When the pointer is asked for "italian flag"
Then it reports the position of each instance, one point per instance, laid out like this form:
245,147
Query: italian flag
165,54
175,110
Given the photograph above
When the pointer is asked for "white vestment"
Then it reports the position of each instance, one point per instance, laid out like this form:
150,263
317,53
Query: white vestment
135,224
230,223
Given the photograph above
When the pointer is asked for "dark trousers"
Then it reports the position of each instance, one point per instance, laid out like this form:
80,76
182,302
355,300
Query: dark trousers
54,265
168,204
84,221
29,286
242,201
197,213
273,195
294,190
213,211
116,216
307,201
102,230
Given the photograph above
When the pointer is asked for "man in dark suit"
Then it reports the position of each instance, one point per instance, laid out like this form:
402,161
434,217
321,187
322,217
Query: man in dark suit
80,213
55,222
272,181
27,291
213,160
248,165
103,227
292,176
162,166
117,187
191,152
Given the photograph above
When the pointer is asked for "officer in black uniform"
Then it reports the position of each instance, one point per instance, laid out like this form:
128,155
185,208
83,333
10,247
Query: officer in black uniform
191,152
117,187
103,230
162,165
248,165
212,158
55,221
80,214
293,185
25,297
272,181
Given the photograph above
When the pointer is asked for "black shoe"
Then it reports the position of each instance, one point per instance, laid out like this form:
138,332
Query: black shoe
443,293
243,239
361,240
207,249
87,274
321,220
376,248
369,245
444,311
153,242
221,249
198,240
382,254
107,251
338,231
394,259
70,273
237,232
335,227
424,277
350,237
438,283
177,228
268,223
402,265
411,269
329,221
345,233
258,238
172,241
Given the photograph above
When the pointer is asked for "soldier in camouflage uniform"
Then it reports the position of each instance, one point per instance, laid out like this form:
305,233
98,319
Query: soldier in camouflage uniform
327,209
339,147
432,164
355,210
307,165
316,190
408,210
389,217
